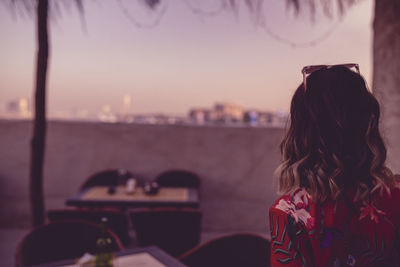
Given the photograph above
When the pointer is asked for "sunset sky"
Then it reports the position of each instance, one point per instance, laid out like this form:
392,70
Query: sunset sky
186,61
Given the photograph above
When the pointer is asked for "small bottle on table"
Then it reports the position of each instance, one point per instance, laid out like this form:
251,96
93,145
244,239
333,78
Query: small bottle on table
104,256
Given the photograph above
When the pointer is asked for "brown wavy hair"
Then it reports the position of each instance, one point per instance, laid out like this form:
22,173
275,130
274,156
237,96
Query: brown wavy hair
333,141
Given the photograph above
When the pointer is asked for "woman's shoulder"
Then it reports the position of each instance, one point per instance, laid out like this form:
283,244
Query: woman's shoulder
298,205
291,221
300,199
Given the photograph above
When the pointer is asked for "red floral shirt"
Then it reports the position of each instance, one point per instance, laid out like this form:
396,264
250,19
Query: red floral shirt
335,234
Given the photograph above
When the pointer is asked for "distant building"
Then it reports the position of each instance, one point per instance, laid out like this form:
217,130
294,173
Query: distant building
233,114
228,112
126,113
251,117
201,115
18,109
266,118
106,115
126,108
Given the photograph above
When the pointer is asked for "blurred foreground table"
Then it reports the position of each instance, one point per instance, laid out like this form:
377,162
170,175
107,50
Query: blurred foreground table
167,196
138,257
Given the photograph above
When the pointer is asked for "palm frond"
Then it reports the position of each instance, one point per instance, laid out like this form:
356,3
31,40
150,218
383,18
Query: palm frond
328,6
152,4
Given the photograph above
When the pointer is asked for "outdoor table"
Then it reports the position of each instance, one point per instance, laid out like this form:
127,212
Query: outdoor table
98,196
138,257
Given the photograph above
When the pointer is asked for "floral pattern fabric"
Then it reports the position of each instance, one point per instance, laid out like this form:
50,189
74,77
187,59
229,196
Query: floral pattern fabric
297,207
340,233
369,210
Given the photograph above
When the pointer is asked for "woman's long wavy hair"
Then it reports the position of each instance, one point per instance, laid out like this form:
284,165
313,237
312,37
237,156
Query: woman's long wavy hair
333,141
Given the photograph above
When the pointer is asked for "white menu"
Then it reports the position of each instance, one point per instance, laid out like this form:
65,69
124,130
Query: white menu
143,259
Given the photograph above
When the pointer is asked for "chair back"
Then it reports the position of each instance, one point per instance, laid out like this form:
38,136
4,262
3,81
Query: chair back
117,221
111,177
61,240
234,250
173,230
178,178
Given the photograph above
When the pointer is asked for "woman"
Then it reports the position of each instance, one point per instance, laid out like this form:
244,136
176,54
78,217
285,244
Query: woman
340,204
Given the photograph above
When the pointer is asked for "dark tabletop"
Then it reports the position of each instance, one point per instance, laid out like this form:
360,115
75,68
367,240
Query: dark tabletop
99,196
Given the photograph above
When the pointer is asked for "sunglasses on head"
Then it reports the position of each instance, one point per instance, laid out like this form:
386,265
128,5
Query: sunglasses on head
307,70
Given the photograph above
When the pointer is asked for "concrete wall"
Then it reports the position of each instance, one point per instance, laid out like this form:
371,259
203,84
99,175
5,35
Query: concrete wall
236,166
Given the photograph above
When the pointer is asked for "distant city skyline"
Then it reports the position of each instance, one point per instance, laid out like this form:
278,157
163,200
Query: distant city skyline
218,114
186,61
23,108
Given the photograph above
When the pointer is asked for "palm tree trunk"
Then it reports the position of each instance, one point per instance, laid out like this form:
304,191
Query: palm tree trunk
39,127
386,77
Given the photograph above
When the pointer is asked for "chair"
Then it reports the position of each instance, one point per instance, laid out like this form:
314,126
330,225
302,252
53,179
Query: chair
117,221
61,240
173,230
178,178
234,250
111,177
